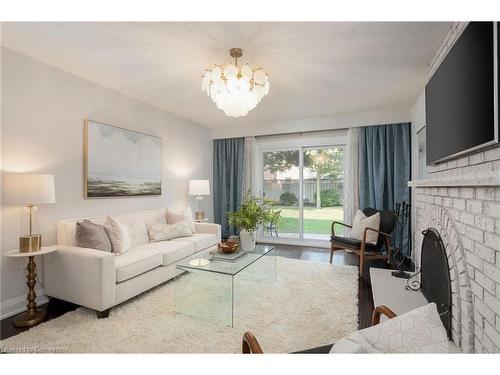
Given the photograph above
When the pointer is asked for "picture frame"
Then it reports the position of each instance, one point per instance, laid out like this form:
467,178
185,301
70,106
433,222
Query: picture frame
120,163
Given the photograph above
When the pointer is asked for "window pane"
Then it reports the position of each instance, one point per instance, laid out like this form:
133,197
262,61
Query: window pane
322,190
281,189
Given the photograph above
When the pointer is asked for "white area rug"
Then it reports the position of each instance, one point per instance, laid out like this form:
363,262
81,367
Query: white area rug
310,304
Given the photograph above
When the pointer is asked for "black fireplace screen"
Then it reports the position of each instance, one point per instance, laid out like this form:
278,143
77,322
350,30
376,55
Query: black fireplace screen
435,275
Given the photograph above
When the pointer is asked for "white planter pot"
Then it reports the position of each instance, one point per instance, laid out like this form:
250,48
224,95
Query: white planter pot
247,240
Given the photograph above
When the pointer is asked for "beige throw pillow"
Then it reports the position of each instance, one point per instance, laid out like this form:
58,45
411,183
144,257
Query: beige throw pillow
161,231
361,221
118,235
175,216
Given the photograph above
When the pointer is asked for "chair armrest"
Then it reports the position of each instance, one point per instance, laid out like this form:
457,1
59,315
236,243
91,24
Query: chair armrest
379,310
339,223
209,228
250,345
81,275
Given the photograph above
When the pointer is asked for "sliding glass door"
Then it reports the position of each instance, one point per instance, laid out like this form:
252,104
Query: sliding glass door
281,189
323,170
306,184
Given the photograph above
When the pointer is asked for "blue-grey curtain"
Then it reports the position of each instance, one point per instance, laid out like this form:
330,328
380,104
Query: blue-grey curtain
384,169
227,180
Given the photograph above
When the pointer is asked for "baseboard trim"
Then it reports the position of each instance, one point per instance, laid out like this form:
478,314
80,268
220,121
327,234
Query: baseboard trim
17,305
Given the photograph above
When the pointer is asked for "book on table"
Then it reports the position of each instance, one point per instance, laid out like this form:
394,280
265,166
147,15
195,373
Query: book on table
232,257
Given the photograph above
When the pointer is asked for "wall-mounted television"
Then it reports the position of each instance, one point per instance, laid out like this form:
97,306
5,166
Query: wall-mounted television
461,98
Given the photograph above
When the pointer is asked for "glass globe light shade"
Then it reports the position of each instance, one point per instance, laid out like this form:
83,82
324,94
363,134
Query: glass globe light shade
232,84
266,87
216,73
259,76
205,81
221,86
213,92
246,72
243,84
230,71
259,91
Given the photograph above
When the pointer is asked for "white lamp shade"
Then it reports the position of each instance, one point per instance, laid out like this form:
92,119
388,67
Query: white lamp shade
24,189
199,187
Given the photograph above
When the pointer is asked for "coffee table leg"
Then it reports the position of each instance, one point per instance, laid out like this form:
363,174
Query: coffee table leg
33,316
232,301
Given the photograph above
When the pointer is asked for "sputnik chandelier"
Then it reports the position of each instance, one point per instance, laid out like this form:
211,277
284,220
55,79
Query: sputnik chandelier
235,90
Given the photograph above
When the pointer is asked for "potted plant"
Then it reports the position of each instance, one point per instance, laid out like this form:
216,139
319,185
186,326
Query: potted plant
249,217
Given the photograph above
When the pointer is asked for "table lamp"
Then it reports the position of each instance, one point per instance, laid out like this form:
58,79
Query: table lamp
28,190
199,188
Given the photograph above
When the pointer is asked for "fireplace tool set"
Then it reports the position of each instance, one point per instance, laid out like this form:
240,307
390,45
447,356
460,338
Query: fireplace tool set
402,213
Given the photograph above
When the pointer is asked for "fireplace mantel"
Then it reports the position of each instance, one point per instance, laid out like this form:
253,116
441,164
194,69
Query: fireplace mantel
488,179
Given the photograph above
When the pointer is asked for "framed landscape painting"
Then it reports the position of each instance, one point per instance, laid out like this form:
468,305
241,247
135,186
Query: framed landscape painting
120,162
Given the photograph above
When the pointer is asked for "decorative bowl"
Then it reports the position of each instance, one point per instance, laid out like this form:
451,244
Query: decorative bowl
228,247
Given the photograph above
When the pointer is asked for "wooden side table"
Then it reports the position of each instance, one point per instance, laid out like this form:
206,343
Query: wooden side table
33,316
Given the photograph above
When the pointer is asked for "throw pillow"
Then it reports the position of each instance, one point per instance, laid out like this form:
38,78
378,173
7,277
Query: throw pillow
161,232
361,222
92,236
118,235
177,215
417,331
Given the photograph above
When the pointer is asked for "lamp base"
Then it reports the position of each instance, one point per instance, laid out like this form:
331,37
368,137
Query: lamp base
30,318
30,243
199,215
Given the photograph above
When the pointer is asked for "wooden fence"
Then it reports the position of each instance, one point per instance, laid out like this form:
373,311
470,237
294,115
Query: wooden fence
274,188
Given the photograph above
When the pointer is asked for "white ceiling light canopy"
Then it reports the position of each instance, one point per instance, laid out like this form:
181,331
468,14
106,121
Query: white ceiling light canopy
235,90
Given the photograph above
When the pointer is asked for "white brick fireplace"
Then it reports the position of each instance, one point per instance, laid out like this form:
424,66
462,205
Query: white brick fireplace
461,199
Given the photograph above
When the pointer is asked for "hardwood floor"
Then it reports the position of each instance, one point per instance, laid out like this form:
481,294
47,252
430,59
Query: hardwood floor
57,308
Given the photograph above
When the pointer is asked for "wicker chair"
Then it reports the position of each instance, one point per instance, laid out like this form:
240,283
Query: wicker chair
366,251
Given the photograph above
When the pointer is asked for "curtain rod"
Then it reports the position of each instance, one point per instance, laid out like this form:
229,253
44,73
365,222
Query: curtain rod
296,133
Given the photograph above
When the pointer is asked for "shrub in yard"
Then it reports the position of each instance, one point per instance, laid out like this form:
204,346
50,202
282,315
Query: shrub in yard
288,199
330,198
271,202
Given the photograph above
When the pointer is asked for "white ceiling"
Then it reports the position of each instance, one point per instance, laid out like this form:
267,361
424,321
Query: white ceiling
315,69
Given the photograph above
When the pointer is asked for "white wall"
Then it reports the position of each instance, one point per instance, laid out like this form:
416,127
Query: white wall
43,113
340,121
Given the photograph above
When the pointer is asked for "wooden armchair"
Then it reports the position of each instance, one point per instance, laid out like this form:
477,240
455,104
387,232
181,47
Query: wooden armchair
366,251
250,345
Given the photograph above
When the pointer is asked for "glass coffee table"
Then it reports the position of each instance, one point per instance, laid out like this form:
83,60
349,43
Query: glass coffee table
209,289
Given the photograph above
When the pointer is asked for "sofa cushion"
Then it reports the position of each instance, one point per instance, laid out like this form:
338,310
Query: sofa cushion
162,232
92,236
171,251
134,221
118,235
136,261
200,241
177,215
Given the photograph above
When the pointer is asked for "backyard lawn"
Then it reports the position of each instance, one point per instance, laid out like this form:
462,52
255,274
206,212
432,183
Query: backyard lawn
316,220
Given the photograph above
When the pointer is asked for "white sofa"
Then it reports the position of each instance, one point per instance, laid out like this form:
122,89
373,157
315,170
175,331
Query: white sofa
100,280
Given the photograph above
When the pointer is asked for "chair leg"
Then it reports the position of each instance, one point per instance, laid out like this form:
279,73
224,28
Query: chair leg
362,260
361,264
331,252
